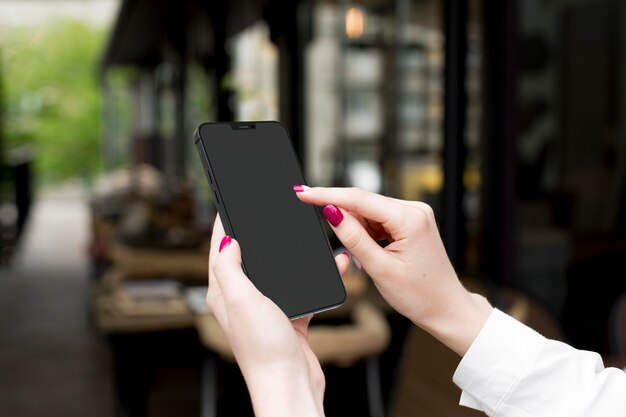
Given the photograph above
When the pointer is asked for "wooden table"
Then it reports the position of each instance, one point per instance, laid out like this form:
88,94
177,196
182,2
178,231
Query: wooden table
140,340
365,335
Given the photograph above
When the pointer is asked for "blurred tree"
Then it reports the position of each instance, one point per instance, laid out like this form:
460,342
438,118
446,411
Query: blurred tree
2,110
52,96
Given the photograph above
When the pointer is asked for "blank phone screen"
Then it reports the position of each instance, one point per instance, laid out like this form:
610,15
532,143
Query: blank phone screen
252,168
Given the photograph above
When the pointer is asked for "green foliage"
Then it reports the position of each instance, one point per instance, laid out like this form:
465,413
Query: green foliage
52,96
2,109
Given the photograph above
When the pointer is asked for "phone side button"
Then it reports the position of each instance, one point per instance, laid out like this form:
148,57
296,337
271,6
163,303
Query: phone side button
217,199
208,174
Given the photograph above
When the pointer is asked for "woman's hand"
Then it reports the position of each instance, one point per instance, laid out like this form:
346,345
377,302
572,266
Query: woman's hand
413,272
282,373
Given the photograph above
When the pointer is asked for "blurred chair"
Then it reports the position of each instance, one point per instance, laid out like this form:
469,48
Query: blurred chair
617,334
425,384
530,312
618,326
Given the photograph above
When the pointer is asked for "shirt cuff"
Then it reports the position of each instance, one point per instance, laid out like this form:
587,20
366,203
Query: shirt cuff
495,361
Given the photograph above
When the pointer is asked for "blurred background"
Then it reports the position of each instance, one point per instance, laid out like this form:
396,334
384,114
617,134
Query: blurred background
507,116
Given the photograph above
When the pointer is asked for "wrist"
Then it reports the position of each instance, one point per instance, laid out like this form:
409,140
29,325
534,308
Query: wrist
276,393
459,320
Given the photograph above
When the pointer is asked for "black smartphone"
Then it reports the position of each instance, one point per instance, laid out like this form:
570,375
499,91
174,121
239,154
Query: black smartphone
252,168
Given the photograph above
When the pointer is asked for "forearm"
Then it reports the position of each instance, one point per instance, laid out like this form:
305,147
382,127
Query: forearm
275,395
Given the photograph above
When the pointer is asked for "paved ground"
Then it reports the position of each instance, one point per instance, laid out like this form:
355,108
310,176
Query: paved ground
51,362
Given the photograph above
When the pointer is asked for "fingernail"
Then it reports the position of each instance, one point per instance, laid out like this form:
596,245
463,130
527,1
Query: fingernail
333,214
345,252
225,242
298,188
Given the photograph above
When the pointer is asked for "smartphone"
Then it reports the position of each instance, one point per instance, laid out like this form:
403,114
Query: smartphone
252,168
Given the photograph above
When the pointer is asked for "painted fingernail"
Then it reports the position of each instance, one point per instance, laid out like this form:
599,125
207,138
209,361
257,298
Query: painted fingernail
225,242
333,214
298,188
355,260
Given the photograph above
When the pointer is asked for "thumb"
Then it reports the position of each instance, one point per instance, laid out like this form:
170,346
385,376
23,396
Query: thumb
227,269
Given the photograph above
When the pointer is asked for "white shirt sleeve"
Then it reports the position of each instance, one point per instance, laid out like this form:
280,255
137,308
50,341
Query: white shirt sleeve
512,371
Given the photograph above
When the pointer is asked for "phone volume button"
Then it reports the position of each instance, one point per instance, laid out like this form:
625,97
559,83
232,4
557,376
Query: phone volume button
208,174
217,199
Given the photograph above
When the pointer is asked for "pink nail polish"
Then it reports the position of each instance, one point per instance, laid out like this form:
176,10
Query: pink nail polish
333,214
298,188
225,242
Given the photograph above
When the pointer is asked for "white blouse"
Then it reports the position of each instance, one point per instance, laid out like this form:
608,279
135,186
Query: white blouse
511,370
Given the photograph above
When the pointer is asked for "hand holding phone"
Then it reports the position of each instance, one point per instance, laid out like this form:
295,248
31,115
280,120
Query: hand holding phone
283,374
